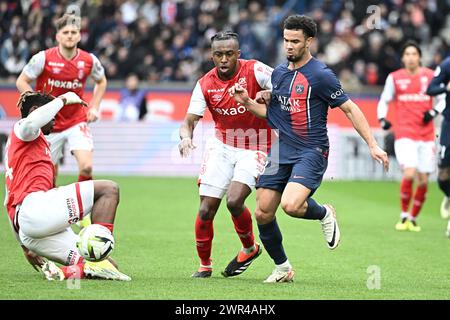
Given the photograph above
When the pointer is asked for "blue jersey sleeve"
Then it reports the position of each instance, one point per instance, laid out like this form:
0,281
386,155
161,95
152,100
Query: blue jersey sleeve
441,77
330,89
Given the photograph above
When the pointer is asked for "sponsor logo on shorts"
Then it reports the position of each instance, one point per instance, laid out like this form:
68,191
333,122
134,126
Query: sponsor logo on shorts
72,210
71,257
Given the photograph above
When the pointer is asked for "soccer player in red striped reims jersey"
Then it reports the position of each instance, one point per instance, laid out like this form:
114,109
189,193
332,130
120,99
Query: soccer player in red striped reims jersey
62,69
415,147
40,214
235,156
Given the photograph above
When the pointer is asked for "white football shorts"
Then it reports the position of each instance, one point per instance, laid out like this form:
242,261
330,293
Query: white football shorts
78,137
416,154
45,217
223,163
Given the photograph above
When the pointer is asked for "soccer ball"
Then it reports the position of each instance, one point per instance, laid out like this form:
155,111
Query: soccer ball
95,242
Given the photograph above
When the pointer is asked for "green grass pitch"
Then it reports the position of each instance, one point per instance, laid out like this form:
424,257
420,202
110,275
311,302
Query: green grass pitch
155,246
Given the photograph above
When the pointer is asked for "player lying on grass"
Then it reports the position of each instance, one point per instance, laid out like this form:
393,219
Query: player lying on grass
41,216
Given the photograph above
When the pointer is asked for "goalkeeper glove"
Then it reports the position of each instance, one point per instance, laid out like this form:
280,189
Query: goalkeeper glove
429,115
385,124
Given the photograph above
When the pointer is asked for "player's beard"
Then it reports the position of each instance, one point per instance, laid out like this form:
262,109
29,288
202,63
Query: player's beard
294,58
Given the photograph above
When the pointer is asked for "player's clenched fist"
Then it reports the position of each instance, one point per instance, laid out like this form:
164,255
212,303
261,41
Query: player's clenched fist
185,146
71,98
239,94
263,97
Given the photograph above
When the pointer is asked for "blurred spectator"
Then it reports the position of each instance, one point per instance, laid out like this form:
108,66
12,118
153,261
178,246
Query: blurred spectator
14,53
132,103
168,40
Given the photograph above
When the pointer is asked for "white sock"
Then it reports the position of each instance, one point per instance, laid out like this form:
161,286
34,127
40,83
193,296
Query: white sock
285,266
248,250
404,215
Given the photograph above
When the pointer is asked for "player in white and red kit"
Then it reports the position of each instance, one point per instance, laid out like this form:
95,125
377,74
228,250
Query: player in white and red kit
62,69
235,157
40,214
414,132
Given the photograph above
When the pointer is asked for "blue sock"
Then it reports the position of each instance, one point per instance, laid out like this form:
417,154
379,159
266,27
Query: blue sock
444,185
272,239
315,211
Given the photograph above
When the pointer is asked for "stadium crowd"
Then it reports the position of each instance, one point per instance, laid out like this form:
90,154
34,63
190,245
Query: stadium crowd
168,40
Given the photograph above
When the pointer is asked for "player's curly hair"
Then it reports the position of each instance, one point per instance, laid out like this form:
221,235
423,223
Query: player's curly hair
301,22
29,99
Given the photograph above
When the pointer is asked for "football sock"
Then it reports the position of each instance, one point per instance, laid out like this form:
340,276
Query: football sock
314,211
272,239
75,271
444,185
84,178
244,228
406,193
110,226
204,233
249,249
285,266
419,199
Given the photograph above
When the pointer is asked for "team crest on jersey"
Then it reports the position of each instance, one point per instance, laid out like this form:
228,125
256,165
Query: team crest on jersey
242,81
299,88
80,64
216,97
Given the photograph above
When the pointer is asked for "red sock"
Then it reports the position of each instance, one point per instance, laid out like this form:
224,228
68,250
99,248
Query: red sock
110,226
84,178
75,271
406,193
419,199
244,228
204,233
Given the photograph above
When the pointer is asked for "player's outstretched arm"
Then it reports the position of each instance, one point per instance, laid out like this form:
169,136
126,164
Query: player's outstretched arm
28,129
359,122
94,105
186,133
23,83
240,95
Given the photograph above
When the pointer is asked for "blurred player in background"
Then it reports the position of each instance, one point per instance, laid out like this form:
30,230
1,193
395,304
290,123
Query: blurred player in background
303,89
440,85
414,130
61,69
235,156
41,215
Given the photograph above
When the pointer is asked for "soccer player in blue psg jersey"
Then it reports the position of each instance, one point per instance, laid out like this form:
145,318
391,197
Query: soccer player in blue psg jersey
440,85
303,89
